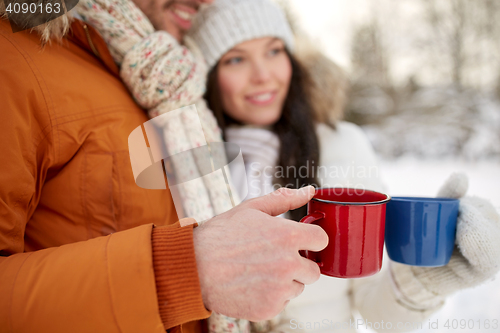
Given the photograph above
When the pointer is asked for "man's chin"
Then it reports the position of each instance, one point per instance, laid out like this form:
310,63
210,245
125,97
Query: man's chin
165,23
173,27
178,35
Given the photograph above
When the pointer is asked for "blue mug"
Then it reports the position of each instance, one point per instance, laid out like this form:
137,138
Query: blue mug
421,231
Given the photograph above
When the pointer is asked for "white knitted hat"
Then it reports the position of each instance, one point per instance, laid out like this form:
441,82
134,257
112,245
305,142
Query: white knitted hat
217,28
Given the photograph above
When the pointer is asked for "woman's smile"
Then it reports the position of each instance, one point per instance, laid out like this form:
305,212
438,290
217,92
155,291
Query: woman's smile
262,98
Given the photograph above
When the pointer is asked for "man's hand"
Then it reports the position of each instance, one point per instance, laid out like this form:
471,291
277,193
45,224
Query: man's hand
248,260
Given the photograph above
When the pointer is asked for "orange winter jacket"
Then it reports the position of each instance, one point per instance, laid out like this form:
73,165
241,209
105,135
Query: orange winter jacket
78,248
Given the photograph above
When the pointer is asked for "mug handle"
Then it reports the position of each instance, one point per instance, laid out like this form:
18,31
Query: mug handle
309,219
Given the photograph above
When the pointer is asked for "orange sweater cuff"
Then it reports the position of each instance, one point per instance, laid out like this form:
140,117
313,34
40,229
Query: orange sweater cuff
176,275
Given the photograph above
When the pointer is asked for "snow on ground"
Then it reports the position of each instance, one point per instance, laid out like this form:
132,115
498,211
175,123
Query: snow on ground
480,305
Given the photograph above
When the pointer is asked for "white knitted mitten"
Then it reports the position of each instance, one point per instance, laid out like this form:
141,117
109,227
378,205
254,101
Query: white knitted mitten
475,259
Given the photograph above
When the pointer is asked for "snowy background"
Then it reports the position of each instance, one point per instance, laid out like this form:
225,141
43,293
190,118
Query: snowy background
425,87
424,72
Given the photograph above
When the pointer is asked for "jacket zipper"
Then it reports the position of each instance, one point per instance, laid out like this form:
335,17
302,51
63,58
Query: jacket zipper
87,33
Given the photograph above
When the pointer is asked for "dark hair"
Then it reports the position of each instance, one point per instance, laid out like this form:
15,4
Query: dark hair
296,131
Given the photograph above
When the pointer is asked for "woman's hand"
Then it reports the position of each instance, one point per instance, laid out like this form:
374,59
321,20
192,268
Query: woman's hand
475,259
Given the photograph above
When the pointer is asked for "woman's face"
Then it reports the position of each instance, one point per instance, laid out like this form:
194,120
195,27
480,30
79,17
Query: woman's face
254,77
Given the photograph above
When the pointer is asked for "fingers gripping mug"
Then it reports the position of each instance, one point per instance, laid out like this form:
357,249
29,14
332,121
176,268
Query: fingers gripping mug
354,220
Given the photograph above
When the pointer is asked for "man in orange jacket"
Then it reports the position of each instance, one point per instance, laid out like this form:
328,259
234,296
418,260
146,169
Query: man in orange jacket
82,248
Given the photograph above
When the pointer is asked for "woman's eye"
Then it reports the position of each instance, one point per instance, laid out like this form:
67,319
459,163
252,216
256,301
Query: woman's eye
275,51
233,61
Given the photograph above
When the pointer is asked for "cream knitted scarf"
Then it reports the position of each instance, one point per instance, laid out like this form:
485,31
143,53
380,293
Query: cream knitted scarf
163,75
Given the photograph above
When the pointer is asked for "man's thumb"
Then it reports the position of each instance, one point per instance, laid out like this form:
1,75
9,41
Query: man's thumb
282,200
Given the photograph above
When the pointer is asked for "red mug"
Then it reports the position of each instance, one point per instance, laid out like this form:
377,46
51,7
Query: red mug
354,220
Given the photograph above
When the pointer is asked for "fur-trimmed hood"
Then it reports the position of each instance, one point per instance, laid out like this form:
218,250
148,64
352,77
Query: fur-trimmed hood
330,83
52,30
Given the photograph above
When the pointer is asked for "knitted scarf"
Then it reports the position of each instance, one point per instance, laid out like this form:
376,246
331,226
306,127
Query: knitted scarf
163,75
